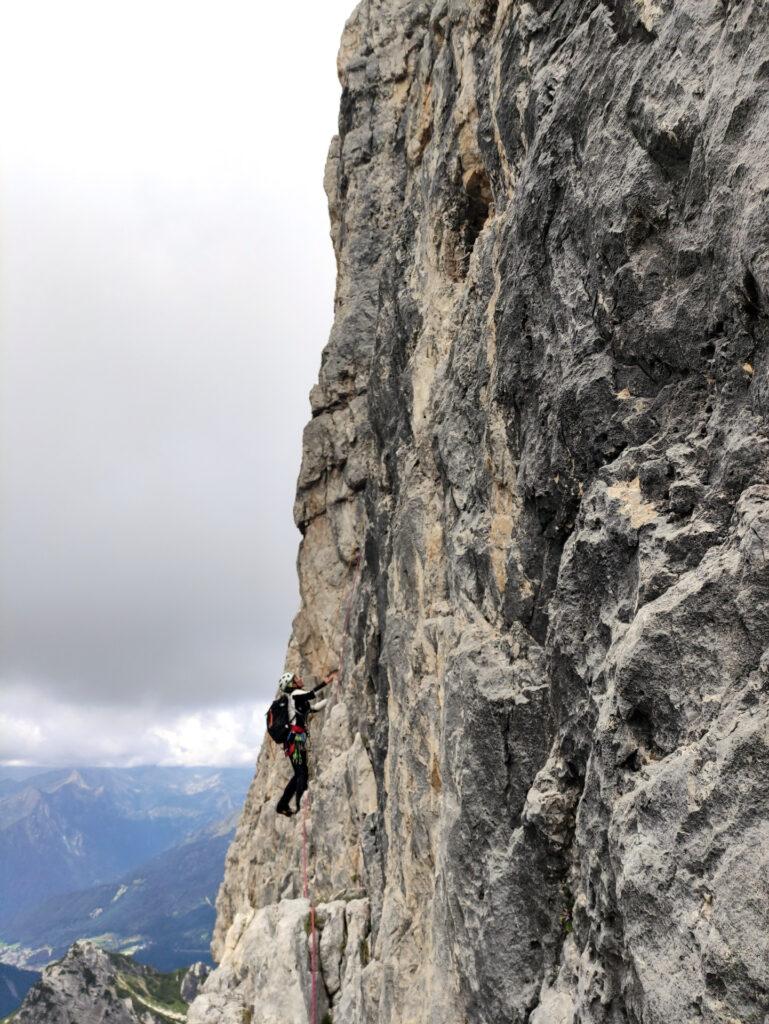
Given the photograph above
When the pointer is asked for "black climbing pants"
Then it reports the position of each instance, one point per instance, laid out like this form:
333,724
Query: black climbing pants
298,782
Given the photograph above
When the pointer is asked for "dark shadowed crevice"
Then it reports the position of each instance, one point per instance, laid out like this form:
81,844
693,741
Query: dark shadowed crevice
751,294
627,25
478,191
465,215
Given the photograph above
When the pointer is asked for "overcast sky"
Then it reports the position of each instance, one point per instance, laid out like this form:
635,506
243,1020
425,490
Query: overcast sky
166,286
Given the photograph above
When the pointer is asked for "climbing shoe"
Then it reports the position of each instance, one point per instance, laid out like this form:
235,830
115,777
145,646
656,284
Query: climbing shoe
285,811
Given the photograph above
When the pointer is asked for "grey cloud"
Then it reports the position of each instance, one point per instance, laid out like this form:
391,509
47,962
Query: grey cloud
149,543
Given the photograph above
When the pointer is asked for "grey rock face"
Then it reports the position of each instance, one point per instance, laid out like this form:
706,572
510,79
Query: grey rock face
542,420
192,981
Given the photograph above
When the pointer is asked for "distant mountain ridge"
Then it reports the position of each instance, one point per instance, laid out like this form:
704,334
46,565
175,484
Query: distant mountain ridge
162,912
63,830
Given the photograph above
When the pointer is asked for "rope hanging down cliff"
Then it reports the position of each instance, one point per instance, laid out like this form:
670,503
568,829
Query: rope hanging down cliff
307,809
313,929
287,720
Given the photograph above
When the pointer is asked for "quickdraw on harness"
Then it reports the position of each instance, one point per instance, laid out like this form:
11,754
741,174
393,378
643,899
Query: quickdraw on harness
297,734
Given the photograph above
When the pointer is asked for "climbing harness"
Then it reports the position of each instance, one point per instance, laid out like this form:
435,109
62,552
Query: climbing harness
307,812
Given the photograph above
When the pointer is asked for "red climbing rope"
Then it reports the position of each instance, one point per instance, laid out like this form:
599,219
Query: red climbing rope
306,814
313,930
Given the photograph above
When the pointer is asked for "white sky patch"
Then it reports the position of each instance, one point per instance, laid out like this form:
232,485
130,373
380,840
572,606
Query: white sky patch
218,737
28,739
166,287
48,732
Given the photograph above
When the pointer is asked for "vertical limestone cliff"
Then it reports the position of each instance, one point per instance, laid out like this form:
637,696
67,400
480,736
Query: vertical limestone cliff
541,788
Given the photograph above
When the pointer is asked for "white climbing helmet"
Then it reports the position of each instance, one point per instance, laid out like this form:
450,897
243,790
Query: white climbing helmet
286,681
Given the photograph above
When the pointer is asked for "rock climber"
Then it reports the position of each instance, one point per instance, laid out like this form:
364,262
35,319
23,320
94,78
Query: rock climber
300,707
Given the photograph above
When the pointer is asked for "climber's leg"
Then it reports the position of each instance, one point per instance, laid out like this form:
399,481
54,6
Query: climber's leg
300,775
282,806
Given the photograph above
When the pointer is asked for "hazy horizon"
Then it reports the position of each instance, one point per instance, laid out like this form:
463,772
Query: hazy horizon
8,767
